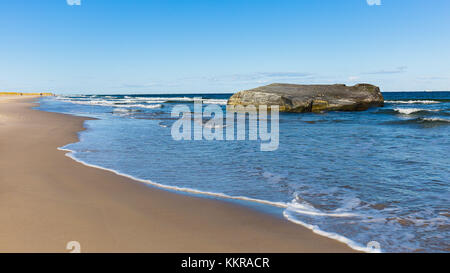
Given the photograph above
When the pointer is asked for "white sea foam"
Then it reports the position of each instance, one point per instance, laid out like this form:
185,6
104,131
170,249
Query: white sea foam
212,125
330,235
307,209
436,119
137,100
412,101
125,111
91,102
71,154
134,99
409,111
114,104
122,110
148,106
215,101
155,101
286,213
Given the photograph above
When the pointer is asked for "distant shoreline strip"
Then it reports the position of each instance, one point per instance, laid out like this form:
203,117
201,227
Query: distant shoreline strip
26,94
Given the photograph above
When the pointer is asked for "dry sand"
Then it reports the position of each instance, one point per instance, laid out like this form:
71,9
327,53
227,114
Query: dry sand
48,199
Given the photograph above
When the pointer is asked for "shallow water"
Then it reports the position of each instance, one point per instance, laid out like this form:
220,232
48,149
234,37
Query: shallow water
379,175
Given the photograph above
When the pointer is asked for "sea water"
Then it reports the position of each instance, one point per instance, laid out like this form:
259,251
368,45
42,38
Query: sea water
381,175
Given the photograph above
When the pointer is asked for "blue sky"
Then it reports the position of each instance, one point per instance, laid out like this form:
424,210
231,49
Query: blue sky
193,46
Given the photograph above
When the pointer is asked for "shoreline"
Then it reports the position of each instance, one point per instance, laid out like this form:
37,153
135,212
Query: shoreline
229,198
59,200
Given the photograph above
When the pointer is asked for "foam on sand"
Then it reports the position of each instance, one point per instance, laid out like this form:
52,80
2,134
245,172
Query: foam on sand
288,208
331,235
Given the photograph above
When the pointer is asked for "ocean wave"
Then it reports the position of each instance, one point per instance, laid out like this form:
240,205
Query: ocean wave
425,122
213,125
90,102
409,111
288,215
415,112
147,106
413,101
435,120
114,103
71,154
204,101
175,99
163,124
215,101
126,111
307,209
108,100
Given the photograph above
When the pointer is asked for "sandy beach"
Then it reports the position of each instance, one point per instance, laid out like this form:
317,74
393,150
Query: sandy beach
48,199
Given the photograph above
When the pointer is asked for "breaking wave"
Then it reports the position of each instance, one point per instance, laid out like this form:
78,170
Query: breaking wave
413,101
409,111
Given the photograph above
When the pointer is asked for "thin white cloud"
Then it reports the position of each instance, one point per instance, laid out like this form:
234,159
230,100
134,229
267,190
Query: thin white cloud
262,77
73,2
432,78
149,85
132,85
400,69
374,2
